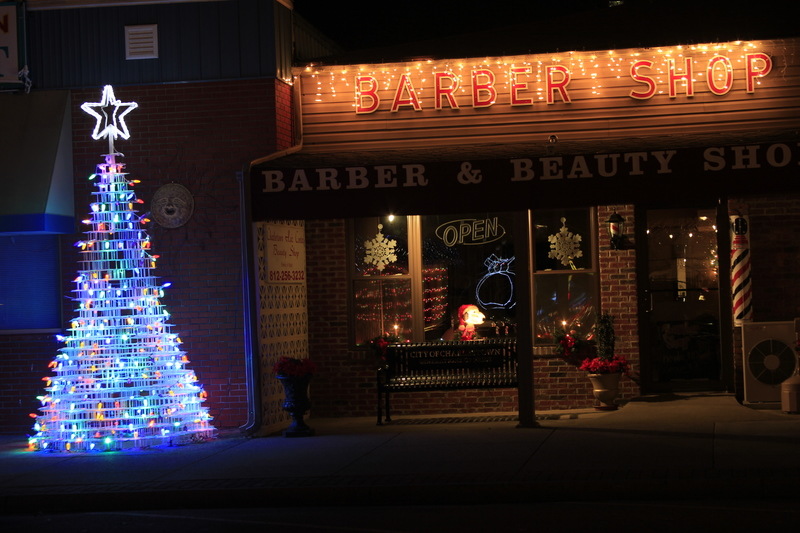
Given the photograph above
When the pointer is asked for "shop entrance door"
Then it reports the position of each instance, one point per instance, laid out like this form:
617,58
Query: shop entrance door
680,326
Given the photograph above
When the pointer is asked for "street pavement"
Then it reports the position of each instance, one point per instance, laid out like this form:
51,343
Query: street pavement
694,446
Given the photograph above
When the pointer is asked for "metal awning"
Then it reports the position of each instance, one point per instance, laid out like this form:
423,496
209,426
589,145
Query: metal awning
36,181
308,184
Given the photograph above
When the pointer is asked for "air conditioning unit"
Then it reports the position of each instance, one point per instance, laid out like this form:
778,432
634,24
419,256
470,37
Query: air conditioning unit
769,359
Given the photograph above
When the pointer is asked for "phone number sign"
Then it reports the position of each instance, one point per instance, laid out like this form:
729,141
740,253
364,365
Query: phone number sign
286,254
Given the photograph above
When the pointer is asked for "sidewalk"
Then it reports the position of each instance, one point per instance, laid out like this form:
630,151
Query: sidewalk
692,445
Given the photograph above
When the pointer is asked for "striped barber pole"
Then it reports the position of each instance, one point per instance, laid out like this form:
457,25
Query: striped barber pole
740,271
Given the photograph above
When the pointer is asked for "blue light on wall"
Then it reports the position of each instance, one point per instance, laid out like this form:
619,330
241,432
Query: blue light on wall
30,293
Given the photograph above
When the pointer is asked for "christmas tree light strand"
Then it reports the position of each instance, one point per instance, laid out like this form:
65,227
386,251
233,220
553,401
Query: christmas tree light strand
120,379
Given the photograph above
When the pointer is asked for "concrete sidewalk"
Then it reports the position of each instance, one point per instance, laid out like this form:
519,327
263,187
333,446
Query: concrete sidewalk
688,445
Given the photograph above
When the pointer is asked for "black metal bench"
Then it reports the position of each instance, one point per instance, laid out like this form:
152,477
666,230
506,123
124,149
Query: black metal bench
439,366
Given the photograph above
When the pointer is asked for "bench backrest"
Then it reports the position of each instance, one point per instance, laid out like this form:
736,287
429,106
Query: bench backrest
495,358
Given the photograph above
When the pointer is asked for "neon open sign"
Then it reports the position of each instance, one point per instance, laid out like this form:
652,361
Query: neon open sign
470,231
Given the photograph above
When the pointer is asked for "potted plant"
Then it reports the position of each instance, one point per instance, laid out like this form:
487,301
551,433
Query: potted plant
380,343
606,368
295,376
572,347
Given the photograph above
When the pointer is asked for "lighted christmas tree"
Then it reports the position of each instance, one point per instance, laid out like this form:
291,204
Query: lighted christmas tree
120,379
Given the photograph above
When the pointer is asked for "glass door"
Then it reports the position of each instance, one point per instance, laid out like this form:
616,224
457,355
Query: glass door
681,302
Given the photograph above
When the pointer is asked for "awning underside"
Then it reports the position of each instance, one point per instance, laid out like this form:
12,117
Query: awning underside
36,182
311,184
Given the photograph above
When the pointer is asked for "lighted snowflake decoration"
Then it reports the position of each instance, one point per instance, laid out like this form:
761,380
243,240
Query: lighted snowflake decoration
565,245
380,251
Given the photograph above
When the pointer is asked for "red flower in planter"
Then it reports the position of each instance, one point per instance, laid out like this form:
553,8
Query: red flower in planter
292,367
598,365
380,343
572,348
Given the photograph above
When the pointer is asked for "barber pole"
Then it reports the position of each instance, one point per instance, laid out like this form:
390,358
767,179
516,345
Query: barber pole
740,270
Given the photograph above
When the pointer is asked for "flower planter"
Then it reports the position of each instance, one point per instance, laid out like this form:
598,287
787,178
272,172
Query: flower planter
296,404
605,388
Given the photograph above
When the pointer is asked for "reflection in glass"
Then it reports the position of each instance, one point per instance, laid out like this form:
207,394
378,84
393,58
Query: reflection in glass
382,306
683,277
564,301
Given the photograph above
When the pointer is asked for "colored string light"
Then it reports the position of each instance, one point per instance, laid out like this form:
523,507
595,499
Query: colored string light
120,379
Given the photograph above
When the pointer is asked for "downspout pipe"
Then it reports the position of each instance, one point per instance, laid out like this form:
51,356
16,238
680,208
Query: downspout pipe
250,275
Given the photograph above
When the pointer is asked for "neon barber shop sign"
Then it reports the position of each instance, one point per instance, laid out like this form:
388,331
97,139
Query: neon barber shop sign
676,73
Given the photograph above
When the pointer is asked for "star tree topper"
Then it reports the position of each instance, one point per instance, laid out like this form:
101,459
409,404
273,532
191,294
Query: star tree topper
110,114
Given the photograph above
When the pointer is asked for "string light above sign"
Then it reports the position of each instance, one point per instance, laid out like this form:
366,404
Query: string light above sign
587,97
678,71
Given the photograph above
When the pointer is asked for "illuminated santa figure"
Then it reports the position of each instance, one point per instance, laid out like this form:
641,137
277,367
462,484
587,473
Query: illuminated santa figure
120,379
469,316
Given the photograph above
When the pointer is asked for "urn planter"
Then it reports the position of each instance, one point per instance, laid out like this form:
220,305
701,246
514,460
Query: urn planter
296,403
605,388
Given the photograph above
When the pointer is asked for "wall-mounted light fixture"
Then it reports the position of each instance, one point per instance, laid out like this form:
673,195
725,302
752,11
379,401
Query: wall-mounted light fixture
616,229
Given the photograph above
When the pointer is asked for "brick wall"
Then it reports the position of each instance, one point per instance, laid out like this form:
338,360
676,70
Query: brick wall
618,290
199,135
25,359
775,256
345,384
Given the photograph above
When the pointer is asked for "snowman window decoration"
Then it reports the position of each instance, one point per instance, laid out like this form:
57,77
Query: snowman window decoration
495,290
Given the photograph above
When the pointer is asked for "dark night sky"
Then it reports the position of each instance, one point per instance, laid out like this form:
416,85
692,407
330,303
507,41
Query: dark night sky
441,28
370,23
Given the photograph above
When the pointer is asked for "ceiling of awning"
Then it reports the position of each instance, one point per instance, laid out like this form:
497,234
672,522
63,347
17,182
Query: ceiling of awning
36,182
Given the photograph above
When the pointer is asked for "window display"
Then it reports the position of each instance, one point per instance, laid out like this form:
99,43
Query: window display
475,254
414,292
565,283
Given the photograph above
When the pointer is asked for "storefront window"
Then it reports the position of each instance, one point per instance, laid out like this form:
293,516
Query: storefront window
468,260
565,282
411,275
381,279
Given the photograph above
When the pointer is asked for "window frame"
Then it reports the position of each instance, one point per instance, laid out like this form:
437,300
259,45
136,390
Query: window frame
415,267
593,269
414,276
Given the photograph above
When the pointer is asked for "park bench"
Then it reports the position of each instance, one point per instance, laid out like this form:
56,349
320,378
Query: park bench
445,365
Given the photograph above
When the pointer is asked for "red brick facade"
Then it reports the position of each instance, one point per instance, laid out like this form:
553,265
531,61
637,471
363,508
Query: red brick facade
775,257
